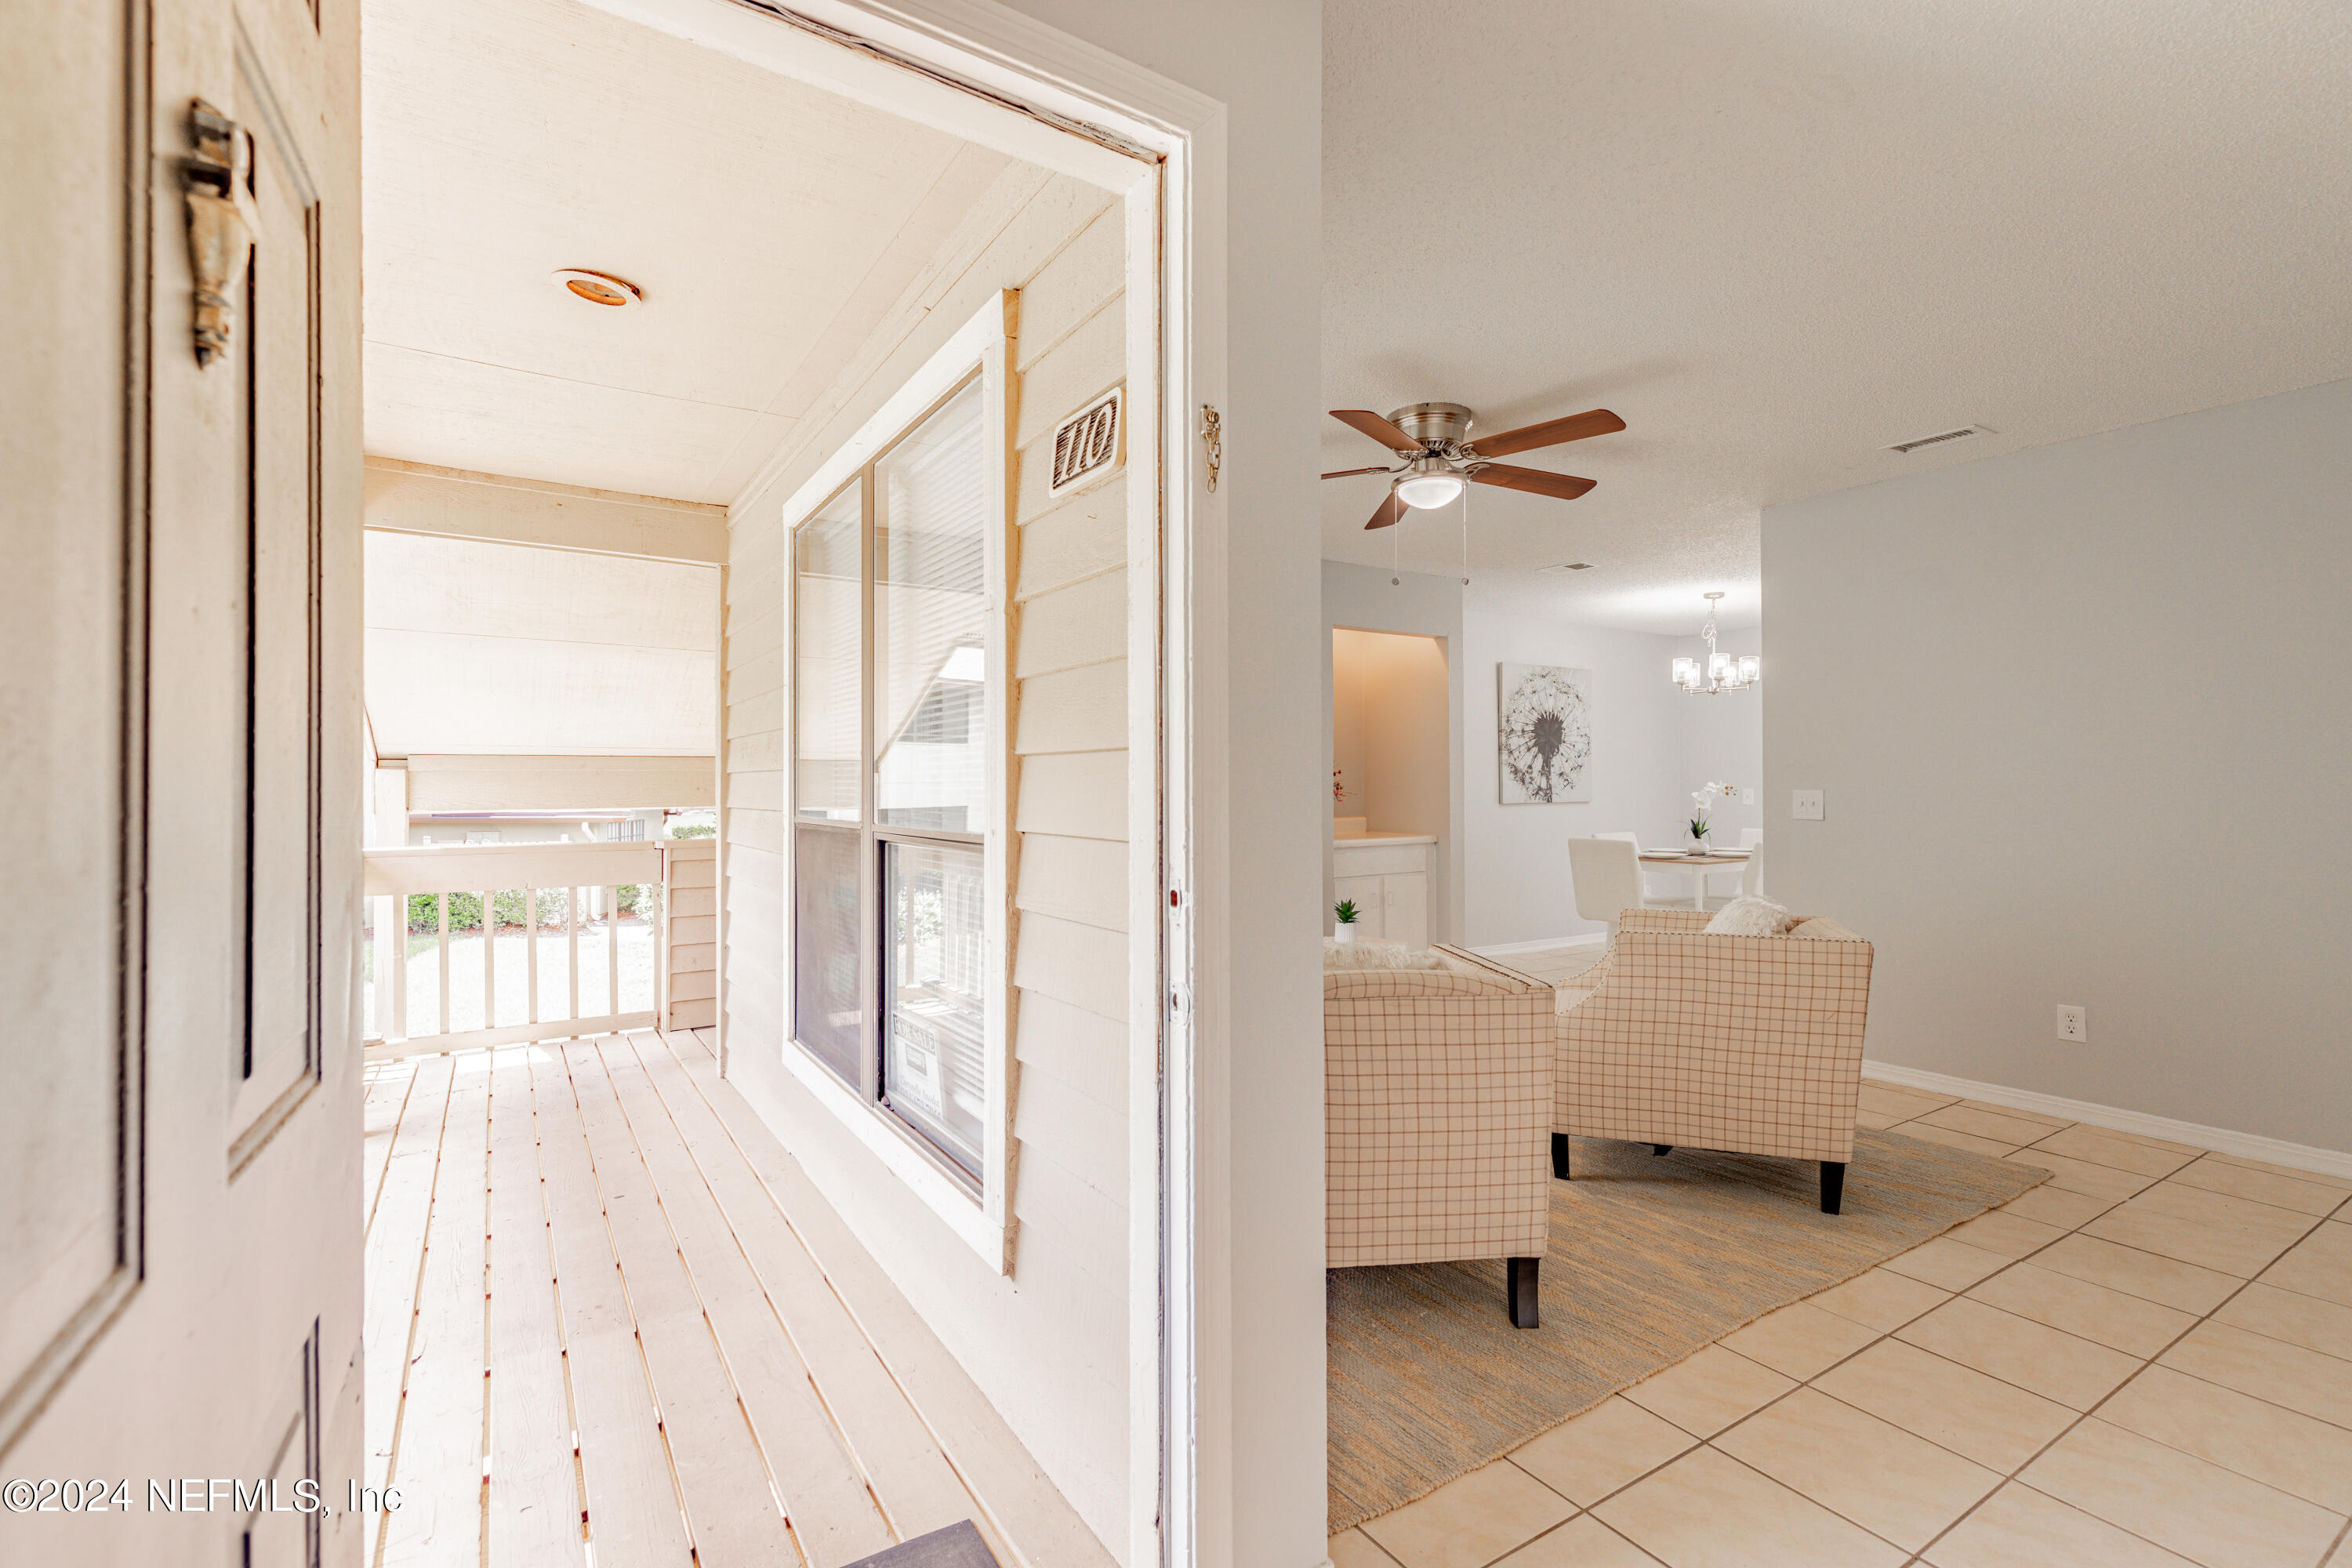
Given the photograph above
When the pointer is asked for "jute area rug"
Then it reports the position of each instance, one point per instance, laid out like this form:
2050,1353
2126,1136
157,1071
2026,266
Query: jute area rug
1651,1259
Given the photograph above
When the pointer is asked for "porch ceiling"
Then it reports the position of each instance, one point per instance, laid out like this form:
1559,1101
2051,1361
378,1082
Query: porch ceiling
770,224
508,649
1777,238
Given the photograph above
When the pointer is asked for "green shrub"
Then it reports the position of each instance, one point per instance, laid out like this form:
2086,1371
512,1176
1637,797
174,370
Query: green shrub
507,910
695,830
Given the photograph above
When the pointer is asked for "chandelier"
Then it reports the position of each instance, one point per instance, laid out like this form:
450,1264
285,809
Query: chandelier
1720,672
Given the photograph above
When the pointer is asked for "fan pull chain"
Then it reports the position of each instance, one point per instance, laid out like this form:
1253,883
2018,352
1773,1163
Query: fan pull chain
1465,534
1396,549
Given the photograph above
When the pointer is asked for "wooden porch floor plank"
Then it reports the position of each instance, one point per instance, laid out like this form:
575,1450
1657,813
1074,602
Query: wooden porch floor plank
387,1097
826,1501
918,1489
394,1263
437,1447
533,1496
1028,1512
633,1517
732,1513
785,1364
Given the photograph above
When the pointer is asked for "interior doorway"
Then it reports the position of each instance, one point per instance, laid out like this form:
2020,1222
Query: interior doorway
1390,725
1391,784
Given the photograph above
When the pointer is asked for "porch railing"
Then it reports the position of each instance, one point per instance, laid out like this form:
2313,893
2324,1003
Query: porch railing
568,938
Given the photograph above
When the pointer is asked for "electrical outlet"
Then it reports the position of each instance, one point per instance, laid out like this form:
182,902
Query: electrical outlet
1748,796
2073,1024
1805,804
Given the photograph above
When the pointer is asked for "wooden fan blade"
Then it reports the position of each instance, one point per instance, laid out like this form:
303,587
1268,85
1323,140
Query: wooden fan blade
1365,422
1550,433
1391,510
1343,473
1565,487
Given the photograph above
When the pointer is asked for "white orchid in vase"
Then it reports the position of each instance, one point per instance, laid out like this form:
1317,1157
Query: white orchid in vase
1704,801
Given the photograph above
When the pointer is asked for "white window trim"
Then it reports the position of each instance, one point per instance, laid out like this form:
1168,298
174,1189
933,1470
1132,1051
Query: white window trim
985,1220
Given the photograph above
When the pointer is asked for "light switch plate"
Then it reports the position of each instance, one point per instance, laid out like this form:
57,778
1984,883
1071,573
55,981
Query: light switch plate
1805,804
1748,796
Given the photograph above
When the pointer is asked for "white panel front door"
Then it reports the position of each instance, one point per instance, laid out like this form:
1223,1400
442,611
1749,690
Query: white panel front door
180,757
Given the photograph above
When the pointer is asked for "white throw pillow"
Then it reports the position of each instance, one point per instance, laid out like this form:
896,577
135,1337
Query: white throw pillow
1365,955
1749,917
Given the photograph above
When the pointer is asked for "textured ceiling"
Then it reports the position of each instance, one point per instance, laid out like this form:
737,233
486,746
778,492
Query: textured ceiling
1777,237
770,226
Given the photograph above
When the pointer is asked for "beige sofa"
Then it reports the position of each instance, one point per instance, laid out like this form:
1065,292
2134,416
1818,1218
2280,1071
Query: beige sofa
1747,1044
1437,1101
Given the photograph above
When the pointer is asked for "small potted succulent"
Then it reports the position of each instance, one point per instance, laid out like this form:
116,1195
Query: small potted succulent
1343,915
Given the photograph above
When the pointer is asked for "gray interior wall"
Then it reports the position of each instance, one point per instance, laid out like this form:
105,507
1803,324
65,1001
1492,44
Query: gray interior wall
2083,719
1723,740
1515,871
1502,870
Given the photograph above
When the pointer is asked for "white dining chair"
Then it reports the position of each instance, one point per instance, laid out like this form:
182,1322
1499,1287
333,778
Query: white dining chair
1641,872
1751,875
1606,871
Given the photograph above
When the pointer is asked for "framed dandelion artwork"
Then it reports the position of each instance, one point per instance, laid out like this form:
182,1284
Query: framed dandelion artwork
1546,734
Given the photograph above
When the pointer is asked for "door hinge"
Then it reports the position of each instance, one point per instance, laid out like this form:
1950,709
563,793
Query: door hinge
1213,442
222,221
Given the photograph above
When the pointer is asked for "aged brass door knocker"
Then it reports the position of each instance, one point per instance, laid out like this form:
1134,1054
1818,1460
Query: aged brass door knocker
222,221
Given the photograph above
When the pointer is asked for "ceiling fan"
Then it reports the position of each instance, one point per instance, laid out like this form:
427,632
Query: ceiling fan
1439,454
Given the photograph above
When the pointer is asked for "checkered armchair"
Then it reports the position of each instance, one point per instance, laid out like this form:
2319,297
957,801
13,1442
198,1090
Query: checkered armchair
1747,1044
1438,1098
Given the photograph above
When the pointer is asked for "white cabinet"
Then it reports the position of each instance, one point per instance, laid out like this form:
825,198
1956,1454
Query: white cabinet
1388,876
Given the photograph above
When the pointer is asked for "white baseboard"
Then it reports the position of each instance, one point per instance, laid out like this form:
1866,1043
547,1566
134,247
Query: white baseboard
1505,948
2247,1145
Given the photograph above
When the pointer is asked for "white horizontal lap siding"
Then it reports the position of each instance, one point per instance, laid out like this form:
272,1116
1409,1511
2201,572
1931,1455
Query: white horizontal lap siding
692,992
1079,794
1081,879
1085,623
756,829
1069,655
754,941
752,628
1069,964
1072,538
1049,1345
756,791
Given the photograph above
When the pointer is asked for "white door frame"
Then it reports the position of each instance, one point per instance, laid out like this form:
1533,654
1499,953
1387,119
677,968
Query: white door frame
1083,110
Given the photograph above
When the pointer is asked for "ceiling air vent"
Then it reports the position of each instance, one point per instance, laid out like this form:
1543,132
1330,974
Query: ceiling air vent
1938,439
1088,442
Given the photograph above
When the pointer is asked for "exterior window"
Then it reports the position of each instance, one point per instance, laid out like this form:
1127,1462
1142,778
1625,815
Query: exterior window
892,631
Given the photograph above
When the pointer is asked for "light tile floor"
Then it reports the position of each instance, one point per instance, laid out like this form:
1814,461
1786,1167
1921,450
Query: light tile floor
2147,1361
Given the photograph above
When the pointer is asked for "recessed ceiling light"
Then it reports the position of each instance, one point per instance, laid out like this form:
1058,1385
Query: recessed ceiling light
600,288
1569,566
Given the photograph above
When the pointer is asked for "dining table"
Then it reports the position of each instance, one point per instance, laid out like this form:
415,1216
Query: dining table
1698,867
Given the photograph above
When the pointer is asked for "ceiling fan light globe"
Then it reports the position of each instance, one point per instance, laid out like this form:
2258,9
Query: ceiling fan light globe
1426,491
